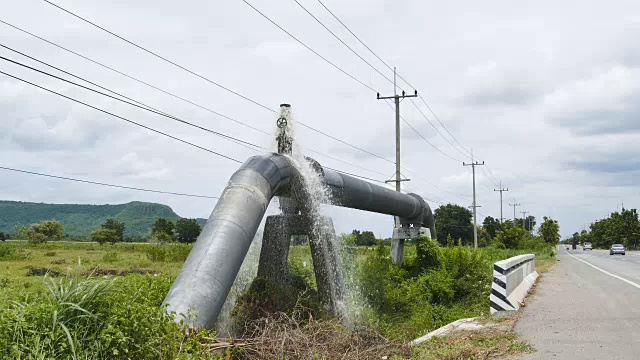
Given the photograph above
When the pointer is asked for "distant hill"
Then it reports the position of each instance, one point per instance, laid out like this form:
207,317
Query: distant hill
80,220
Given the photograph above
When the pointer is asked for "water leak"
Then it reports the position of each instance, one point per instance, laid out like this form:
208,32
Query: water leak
226,323
312,195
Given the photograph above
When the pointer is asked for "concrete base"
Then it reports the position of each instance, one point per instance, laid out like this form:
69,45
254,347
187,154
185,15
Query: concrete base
274,256
327,263
397,251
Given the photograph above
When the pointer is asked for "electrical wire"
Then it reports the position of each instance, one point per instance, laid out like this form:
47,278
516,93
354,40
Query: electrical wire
423,138
106,184
184,99
308,48
137,104
121,118
436,129
391,68
159,56
157,112
346,143
441,124
131,77
343,43
170,94
173,63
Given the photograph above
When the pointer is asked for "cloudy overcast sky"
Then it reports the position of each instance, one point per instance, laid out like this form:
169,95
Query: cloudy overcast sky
547,93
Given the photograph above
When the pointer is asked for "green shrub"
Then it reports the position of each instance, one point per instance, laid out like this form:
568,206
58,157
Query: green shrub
36,237
437,285
102,236
428,254
168,252
8,252
50,253
110,257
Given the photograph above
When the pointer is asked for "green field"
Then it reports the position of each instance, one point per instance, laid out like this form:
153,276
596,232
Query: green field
58,315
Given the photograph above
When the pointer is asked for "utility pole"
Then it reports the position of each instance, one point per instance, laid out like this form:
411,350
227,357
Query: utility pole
524,216
475,216
514,210
397,244
501,190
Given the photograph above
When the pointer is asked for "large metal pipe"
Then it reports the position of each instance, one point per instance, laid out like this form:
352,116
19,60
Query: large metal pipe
354,193
213,264
210,269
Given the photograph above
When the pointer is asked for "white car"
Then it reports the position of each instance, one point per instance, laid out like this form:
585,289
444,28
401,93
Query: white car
587,246
617,249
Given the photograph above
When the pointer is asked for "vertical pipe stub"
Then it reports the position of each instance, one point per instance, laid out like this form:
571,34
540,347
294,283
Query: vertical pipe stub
284,139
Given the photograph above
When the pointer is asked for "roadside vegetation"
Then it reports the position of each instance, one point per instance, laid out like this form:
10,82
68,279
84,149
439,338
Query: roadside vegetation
618,228
84,300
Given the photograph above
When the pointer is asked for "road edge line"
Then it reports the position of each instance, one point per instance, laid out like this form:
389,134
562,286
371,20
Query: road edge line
605,271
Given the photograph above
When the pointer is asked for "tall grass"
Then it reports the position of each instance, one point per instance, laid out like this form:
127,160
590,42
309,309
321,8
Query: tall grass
89,318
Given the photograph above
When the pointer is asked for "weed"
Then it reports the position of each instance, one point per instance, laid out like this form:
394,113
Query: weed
110,257
168,253
89,318
8,252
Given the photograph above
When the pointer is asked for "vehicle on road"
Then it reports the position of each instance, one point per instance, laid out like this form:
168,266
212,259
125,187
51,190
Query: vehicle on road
587,246
617,249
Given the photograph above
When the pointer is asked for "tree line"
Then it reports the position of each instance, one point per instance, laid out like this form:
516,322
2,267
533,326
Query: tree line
454,225
111,231
617,228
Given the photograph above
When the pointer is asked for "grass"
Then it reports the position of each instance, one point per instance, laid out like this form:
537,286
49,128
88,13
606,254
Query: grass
62,310
471,345
18,257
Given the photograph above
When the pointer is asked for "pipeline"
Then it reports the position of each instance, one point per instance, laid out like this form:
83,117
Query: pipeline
205,279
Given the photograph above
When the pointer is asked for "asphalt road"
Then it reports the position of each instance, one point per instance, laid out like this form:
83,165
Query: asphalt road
579,311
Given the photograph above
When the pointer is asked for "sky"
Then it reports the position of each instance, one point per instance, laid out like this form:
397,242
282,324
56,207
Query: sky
546,93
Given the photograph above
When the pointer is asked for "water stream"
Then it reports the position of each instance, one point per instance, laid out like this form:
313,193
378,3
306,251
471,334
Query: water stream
315,197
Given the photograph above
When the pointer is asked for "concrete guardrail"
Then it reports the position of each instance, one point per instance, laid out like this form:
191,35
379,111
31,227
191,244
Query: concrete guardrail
512,279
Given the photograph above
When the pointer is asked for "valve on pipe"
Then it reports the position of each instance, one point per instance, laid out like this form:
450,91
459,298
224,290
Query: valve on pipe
284,138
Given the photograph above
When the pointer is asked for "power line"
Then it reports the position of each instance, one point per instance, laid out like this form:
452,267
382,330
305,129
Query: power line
359,176
346,143
147,107
423,138
436,129
343,43
131,77
354,35
434,185
157,112
160,57
181,98
121,118
308,48
146,127
138,105
122,38
391,68
362,42
441,124
105,184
